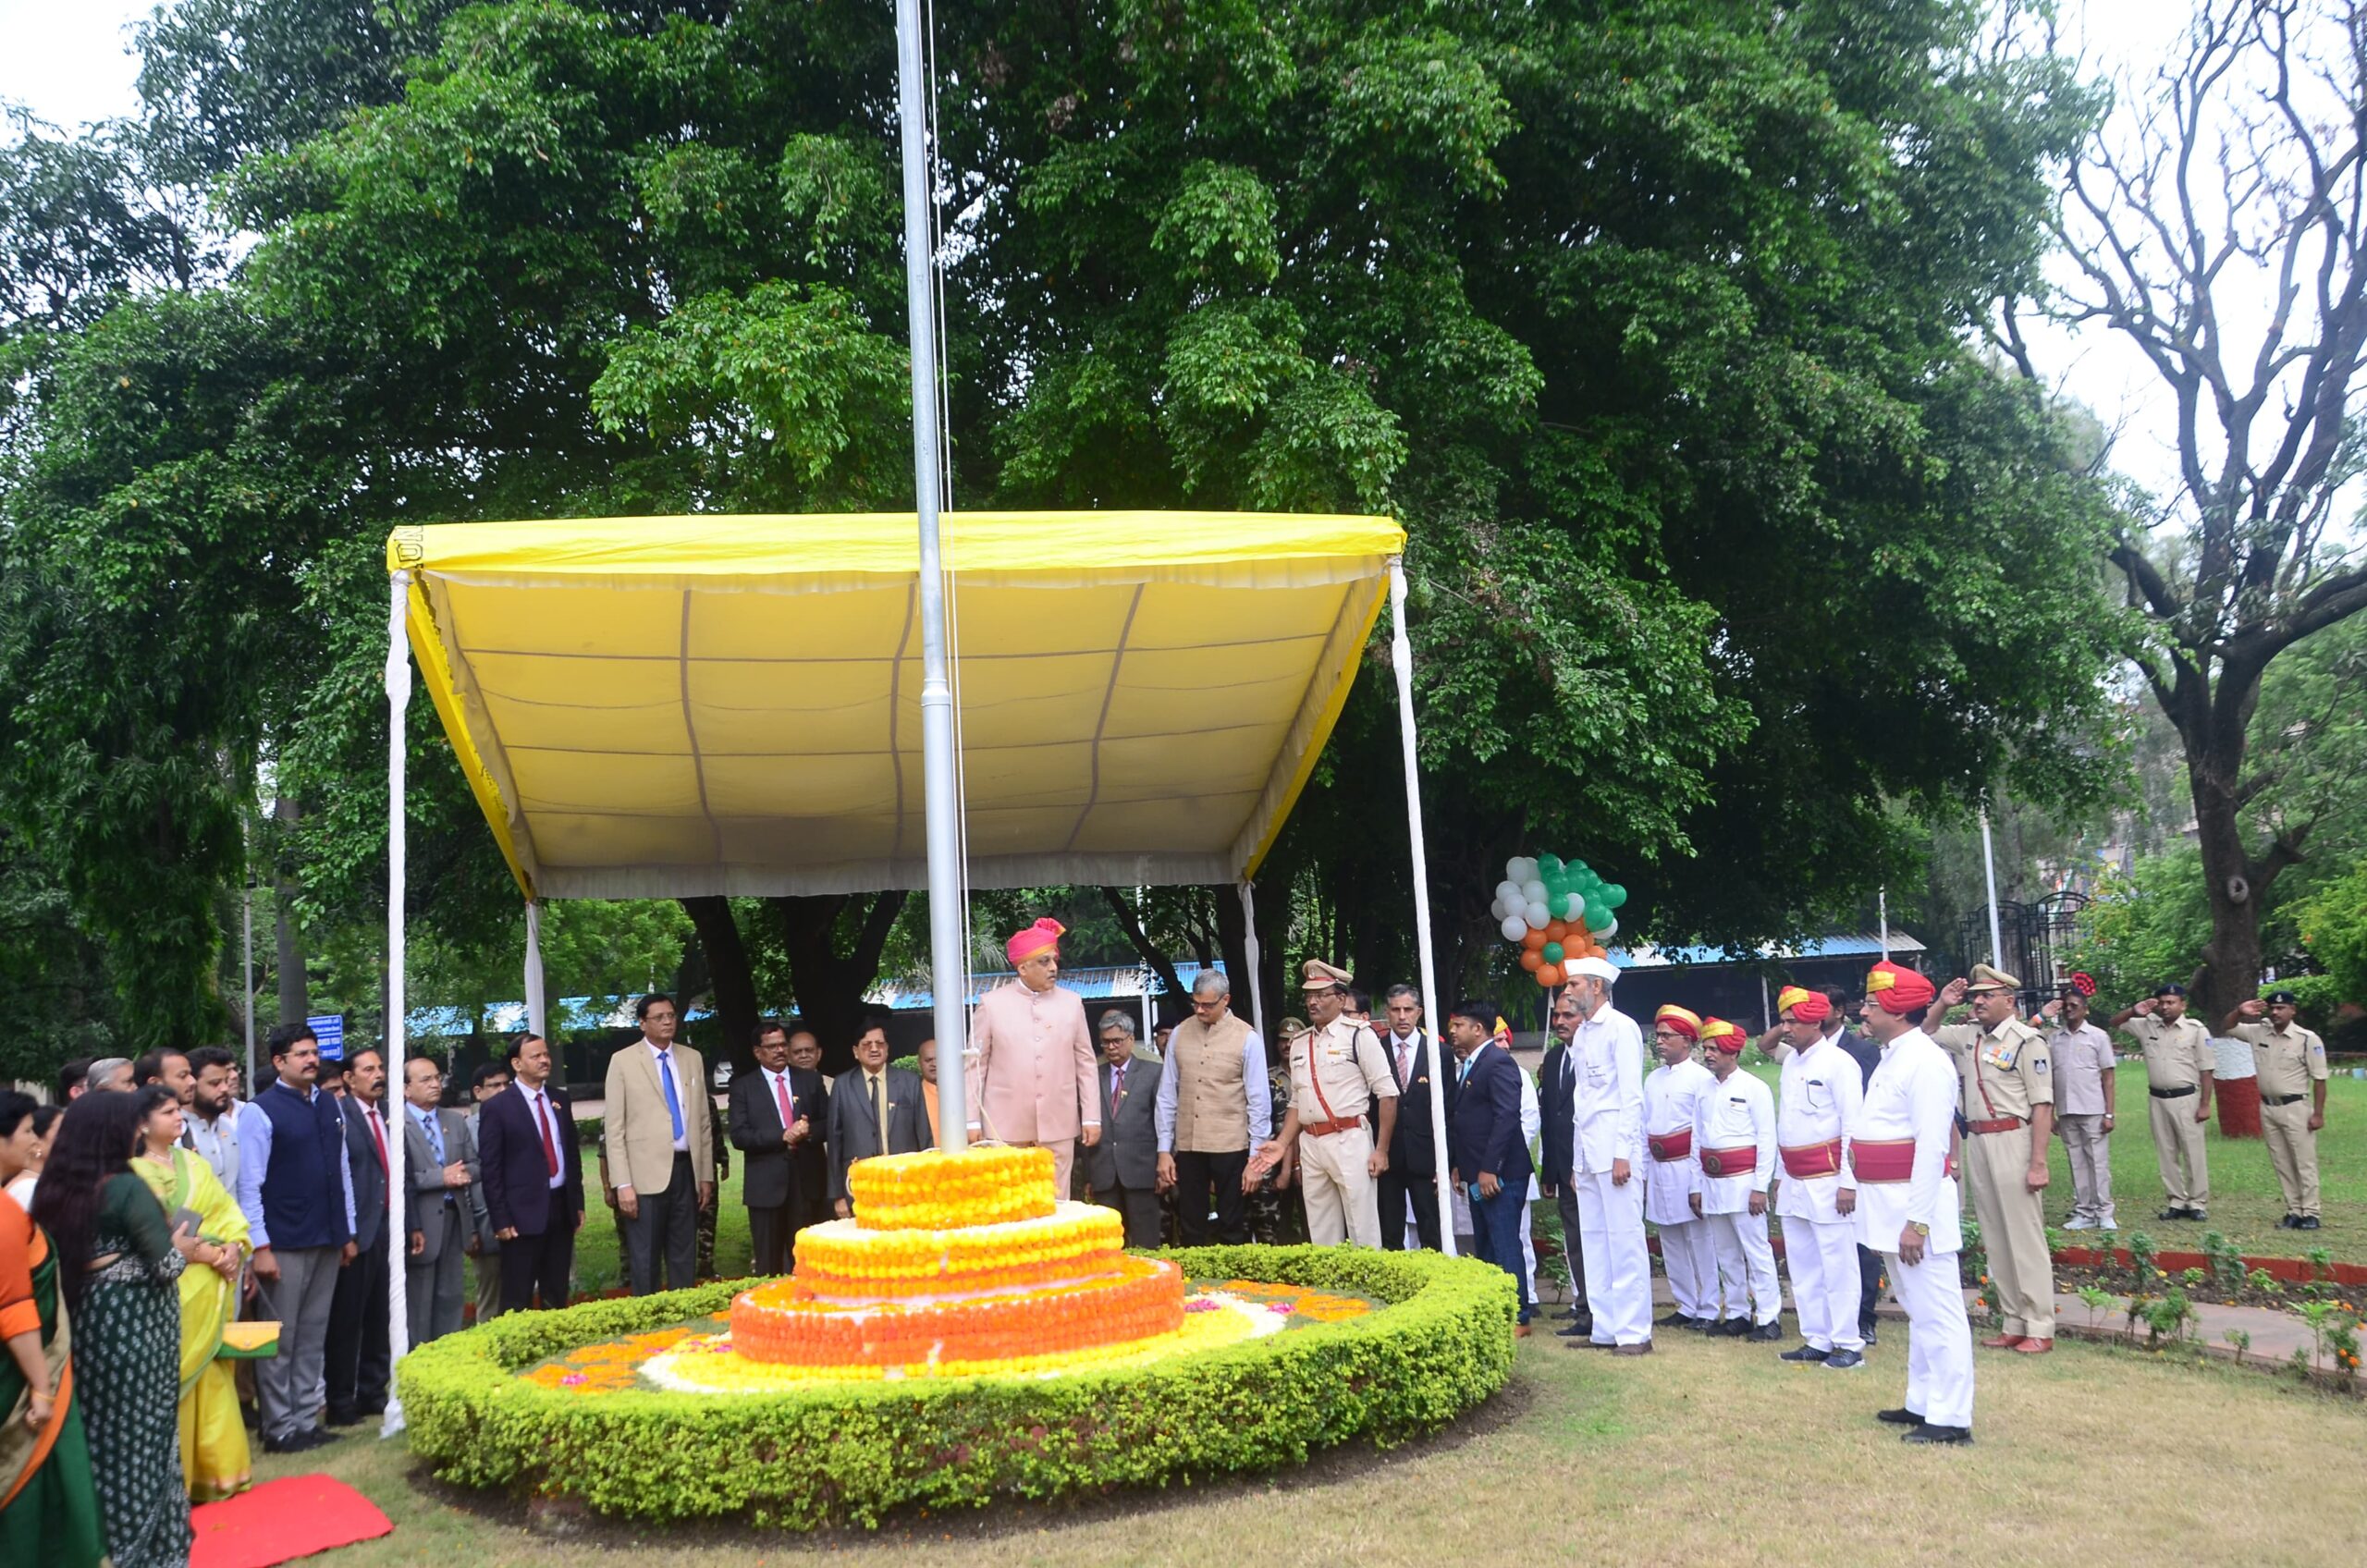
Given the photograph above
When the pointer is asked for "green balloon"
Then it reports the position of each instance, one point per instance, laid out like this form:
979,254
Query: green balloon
1598,914
1549,865
1553,953
1614,896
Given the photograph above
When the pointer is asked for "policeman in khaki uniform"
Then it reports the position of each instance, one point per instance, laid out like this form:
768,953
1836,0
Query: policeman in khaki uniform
1337,1070
2292,1063
2009,1114
2180,1063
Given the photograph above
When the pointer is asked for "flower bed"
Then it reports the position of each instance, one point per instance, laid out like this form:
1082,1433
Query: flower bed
491,1407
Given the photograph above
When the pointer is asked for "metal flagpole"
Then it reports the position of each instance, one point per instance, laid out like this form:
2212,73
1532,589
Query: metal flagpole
1249,955
946,938
1988,858
246,941
1881,907
1401,658
398,703
537,1003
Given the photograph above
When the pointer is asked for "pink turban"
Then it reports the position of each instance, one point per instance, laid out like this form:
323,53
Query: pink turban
1027,944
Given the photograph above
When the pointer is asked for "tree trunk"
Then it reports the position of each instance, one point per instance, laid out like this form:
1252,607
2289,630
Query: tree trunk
728,974
2230,970
1233,940
830,985
1161,964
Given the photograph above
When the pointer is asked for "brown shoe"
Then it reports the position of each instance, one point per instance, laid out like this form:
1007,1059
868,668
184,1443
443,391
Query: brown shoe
2035,1347
1642,1347
1520,1330
2002,1342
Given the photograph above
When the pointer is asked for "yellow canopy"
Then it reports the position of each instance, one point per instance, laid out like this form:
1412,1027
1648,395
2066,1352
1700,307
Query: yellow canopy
675,706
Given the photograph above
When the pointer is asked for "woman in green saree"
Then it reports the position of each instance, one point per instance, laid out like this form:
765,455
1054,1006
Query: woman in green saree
215,1458
49,1510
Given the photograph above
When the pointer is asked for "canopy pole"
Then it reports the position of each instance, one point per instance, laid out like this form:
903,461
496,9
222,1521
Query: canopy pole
398,703
1400,659
1882,913
247,935
947,940
536,1004
1249,955
1989,860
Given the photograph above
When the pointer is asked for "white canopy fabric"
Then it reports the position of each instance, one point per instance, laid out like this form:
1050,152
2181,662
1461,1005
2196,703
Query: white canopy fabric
676,706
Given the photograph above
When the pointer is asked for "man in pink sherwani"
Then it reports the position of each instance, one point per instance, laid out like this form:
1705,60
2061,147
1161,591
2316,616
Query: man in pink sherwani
1036,1057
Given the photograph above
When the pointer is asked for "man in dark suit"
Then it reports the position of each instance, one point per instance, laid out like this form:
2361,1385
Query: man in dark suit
1556,1104
534,1179
1491,1157
1413,1170
359,1357
874,1109
1122,1170
810,1197
774,1112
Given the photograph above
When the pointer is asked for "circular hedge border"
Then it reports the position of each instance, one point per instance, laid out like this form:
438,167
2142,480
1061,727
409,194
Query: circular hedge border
1442,1343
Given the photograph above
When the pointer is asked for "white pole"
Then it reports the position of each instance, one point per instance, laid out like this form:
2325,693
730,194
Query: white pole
537,1004
1881,906
1988,858
1766,1008
1249,955
1400,659
398,703
1147,977
247,939
946,938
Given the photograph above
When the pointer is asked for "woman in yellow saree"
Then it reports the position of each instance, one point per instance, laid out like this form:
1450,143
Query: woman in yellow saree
215,1458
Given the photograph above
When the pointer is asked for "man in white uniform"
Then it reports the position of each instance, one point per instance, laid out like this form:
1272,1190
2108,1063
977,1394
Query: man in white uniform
1900,1153
1822,1090
1672,1092
1607,1126
1734,1143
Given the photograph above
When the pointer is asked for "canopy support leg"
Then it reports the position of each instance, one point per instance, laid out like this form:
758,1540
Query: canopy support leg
398,705
1249,953
536,1004
1400,659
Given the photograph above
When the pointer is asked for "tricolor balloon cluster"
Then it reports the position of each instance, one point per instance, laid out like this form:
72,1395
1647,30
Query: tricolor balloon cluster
1558,910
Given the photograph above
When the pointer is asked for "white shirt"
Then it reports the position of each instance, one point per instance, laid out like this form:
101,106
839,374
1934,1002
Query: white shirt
1738,1113
1823,1090
1912,1094
662,1057
1532,1121
1671,1096
545,1118
1607,1092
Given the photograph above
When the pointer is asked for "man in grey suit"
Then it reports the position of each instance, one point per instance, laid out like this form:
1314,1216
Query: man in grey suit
875,1108
445,1211
1122,1170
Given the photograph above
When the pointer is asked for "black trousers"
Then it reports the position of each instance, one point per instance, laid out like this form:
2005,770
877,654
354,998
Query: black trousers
1869,1288
773,1231
357,1361
1395,1188
1194,1175
1140,1207
542,1263
665,1233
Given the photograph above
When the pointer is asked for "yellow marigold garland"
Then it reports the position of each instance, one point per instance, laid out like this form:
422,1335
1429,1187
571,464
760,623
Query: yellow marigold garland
943,1190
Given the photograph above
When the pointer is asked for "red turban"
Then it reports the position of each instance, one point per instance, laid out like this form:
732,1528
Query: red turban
2084,984
1027,944
1678,1019
1723,1036
1898,991
1808,1007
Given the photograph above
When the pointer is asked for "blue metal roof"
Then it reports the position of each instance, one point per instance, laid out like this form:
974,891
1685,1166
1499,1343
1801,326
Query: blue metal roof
1109,983
508,1018
1847,944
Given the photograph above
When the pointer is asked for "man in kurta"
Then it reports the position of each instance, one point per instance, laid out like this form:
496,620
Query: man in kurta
1672,1093
1036,1056
1734,1143
1822,1089
1607,1160
2009,1114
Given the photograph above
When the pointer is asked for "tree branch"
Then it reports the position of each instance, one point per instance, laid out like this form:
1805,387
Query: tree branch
1159,963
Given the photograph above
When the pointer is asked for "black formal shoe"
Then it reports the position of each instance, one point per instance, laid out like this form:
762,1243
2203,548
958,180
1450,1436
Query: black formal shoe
1930,1434
1575,1331
1866,1332
1732,1328
1765,1333
299,1442
2291,1222
1844,1361
2309,1223
339,1416
2191,1214
1804,1352
1674,1320
2175,1214
1701,1325
1901,1417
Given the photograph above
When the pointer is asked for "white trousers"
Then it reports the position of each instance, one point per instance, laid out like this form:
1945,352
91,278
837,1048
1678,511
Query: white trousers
1823,1260
1619,1267
1692,1263
1939,1338
1745,1264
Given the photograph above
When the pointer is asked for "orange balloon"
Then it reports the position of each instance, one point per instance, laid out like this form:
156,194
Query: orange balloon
1549,975
1556,929
1531,960
1533,938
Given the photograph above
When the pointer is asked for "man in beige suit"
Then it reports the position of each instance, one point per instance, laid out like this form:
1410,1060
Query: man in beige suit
660,1143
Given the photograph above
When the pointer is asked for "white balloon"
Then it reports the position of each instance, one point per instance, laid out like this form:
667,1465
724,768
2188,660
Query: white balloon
1508,891
1522,869
1514,928
1513,868
1610,929
1533,891
1573,906
1497,911
1536,916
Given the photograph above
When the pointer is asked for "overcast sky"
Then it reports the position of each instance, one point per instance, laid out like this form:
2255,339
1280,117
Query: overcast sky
70,62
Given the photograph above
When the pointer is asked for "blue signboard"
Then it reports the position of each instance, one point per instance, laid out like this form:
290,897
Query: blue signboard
329,1030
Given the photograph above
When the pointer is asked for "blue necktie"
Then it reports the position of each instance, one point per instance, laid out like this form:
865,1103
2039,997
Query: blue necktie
434,1135
673,1101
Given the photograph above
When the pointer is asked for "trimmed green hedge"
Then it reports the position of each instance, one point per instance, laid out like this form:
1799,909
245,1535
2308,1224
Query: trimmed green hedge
852,1456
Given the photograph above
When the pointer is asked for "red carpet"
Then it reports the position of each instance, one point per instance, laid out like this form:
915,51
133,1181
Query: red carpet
281,1521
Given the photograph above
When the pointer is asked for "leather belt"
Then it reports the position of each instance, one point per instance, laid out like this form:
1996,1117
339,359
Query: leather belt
2002,1124
1805,1161
2282,1099
1671,1146
1325,1128
2169,1093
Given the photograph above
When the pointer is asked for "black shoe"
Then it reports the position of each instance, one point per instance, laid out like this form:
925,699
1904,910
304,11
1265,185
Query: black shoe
1731,1328
2309,1223
299,1442
1674,1320
1930,1434
1866,1332
2191,1214
2291,1222
339,1416
1765,1333
1844,1361
1575,1331
1804,1352
1901,1417
2175,1214
1701,1325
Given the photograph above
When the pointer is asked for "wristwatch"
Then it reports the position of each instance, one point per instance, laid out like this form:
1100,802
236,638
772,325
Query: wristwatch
1920,1229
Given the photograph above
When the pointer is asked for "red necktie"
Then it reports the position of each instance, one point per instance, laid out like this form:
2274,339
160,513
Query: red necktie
1118,1083
542,1120
781,1092
377,1135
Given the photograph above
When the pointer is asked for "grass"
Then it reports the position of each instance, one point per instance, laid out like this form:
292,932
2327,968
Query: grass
1708,1451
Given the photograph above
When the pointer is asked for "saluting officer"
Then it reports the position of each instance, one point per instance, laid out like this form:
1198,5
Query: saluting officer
2009,1111
2179,1062
1337,1070
2292,1063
